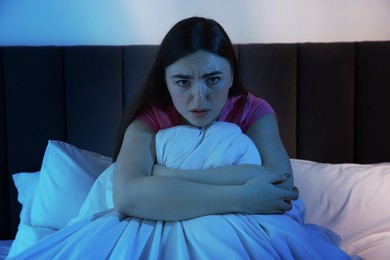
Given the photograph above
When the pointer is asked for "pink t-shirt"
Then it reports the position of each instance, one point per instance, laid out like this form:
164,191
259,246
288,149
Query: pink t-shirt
241,110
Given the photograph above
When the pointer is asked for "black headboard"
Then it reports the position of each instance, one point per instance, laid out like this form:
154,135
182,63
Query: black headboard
332,100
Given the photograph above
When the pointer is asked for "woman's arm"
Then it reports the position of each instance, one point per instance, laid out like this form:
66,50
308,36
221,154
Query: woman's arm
265,134
137,193
226,175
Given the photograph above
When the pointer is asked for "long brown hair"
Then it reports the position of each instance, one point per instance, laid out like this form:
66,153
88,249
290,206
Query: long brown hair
184,38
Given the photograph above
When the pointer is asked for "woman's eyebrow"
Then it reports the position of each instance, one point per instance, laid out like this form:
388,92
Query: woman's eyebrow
213,73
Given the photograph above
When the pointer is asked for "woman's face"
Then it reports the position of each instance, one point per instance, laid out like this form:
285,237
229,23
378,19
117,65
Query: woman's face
199,86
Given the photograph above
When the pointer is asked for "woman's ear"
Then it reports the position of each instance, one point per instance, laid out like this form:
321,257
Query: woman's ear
231,80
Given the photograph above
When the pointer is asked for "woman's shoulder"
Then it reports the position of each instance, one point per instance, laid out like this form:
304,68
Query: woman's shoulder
248,104
245,109
159,116
247,99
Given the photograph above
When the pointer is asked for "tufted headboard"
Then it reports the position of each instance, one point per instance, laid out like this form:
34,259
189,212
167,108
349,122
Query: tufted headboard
332,101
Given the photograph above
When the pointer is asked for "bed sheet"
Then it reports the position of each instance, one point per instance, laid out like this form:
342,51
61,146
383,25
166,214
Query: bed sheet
5,245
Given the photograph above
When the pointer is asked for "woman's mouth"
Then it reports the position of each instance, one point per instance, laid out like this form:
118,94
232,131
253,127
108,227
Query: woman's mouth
199,112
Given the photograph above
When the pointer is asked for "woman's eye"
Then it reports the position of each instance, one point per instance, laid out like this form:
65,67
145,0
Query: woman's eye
182,83
213,80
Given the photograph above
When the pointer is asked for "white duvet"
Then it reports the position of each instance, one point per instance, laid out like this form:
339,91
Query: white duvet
100,232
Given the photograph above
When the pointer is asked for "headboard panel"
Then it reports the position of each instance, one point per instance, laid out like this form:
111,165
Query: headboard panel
93,95
326,80
372,102
331,99
34,108
270,71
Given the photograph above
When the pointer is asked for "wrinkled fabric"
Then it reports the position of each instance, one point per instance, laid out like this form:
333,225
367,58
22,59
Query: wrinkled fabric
108,234
231,236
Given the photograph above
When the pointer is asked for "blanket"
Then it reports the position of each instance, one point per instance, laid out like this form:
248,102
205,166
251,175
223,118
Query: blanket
100,232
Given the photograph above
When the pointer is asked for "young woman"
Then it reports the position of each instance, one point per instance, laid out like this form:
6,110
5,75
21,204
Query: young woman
232,211
195,80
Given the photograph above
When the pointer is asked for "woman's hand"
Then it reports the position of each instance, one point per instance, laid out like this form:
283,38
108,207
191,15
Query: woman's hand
262,195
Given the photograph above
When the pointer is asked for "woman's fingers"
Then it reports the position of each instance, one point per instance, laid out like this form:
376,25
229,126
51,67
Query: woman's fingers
266,197
288,197
277,178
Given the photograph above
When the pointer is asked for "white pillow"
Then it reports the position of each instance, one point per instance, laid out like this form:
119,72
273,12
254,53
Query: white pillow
100,196
351,200
67,175
27,235
63,164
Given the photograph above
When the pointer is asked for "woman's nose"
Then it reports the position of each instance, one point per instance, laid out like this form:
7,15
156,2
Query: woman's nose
200,92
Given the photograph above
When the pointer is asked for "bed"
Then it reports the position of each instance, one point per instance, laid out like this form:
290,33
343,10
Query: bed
60,108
